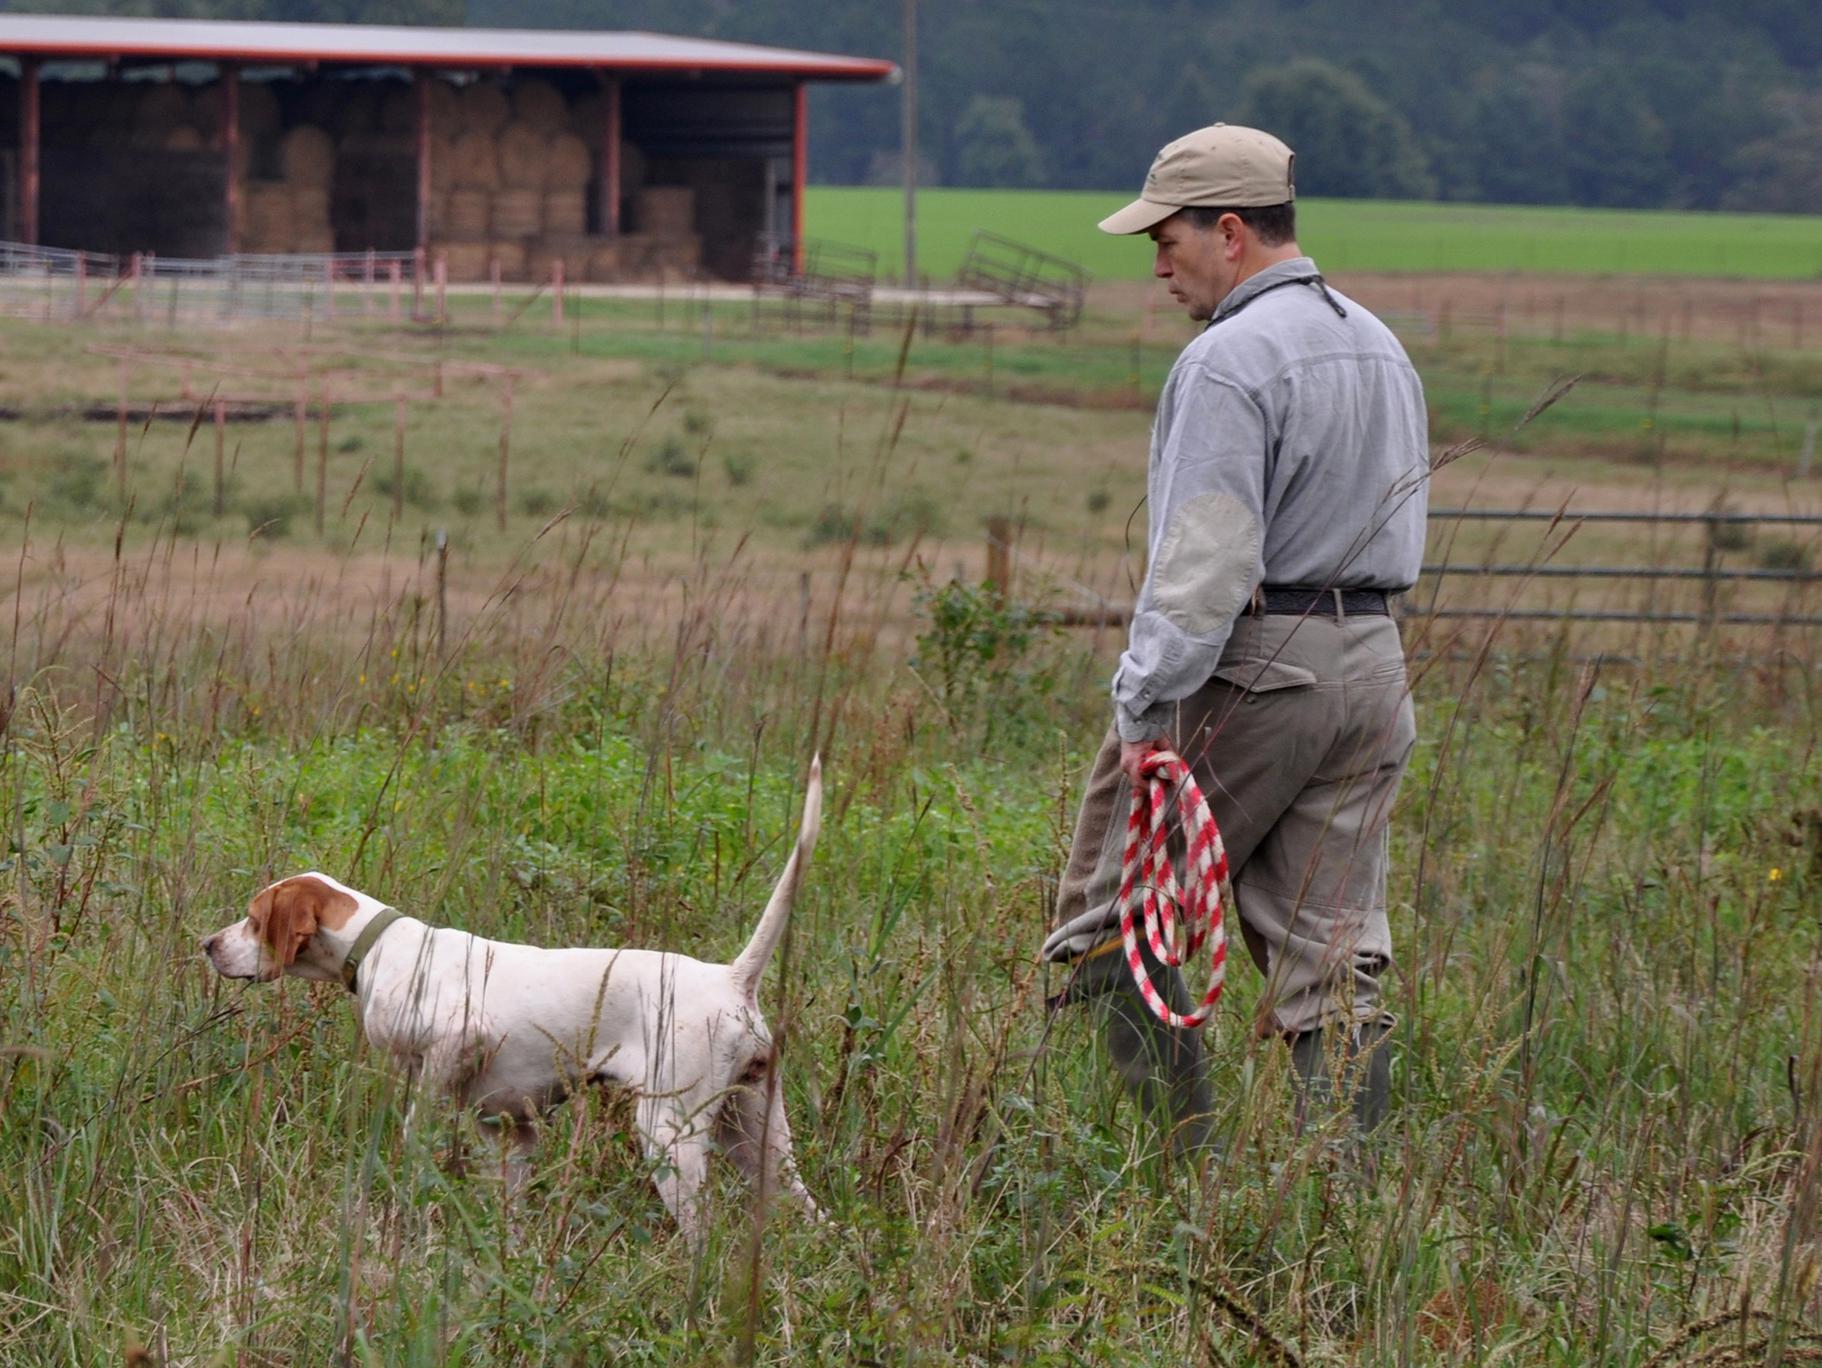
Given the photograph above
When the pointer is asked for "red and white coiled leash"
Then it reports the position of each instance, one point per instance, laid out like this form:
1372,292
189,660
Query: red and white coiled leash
1147,864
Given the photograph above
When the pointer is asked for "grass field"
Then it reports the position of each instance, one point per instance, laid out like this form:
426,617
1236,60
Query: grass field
1343,235
718,550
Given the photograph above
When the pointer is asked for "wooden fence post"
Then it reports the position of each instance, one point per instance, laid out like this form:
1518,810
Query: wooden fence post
221,438
398,458
121,434
505,455
999,558
300,413
442,588
322,457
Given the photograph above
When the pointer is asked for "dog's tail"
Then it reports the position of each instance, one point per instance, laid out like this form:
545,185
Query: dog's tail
750,963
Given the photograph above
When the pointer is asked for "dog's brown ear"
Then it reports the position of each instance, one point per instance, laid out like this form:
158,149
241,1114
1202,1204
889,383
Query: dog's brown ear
294,909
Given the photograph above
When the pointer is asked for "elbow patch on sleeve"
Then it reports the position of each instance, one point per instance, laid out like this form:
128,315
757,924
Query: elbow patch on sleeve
1205,563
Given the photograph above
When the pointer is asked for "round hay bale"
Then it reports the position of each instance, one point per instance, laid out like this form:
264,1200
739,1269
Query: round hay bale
265,216
398,108
463,260
183,138
310,207
258,108
517,213
474,162
466,212
484,107
315,241
606,261
511,256
567,163
307,156
664,209
565,211
539,105
542,255
265,202
524,157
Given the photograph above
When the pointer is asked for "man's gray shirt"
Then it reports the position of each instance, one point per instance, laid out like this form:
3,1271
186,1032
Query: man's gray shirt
1291,447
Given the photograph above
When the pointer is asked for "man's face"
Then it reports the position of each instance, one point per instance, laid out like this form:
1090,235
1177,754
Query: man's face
1199,265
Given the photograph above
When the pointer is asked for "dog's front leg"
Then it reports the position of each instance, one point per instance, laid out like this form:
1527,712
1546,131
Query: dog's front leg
680,1152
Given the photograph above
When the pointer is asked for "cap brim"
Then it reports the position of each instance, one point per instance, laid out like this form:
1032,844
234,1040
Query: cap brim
1138,216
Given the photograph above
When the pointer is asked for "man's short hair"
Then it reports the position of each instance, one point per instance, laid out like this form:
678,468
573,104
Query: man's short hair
1274,224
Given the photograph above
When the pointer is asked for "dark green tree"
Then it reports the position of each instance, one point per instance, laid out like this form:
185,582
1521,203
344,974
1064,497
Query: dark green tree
1512,145
1615,150
1782,172
994,147
1349,142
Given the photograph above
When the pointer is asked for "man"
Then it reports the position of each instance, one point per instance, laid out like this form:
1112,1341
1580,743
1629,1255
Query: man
1287,491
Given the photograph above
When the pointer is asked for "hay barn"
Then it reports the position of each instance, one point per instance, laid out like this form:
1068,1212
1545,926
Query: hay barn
622,154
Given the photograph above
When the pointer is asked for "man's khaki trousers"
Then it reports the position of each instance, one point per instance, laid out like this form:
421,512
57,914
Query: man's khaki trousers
1298,743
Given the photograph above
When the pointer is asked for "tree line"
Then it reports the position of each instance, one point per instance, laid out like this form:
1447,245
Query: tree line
1637,103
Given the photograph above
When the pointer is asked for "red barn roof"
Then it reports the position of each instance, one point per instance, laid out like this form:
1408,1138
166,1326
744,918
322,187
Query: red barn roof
73,37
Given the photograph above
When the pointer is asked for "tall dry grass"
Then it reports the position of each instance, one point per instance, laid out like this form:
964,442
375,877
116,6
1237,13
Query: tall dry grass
1605,1145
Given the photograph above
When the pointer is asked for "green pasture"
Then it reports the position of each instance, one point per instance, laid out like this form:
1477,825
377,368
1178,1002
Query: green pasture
1343,235
691,417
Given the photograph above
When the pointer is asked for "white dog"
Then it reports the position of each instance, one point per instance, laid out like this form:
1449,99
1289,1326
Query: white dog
511,1029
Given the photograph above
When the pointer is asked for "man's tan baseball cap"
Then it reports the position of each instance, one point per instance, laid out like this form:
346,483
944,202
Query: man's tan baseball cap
1222,166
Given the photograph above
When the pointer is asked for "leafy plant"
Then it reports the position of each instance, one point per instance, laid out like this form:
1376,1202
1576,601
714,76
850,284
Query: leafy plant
981,652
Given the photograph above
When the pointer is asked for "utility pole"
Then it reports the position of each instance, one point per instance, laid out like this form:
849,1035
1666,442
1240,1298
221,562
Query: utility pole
910,143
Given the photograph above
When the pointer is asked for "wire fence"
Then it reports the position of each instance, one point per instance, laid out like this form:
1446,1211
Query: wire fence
57,285
1709,569
1720,567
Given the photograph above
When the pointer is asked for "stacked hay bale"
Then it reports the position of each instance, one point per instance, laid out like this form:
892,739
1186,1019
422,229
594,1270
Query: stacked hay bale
290,212
512,188
508,153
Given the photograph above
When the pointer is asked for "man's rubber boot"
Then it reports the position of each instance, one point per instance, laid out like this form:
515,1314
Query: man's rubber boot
1357,1062
1165,1068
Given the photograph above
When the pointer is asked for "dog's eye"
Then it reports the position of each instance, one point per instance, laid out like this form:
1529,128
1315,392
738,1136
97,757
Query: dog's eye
755,1071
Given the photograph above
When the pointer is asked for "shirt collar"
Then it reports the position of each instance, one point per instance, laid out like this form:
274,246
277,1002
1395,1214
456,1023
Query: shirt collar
1278,273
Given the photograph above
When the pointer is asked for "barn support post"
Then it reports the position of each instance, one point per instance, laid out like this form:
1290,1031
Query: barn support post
28,151
800,161
611,130
421,82
230,156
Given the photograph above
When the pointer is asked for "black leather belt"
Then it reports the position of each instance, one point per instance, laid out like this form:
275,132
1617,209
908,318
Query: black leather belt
1302,600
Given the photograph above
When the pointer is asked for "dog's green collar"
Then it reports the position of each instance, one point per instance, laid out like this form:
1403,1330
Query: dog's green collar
370,933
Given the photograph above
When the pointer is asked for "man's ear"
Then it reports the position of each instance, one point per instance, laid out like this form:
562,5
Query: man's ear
1233,235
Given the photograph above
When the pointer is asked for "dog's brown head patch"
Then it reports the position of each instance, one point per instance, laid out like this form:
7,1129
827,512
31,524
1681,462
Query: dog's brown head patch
291,911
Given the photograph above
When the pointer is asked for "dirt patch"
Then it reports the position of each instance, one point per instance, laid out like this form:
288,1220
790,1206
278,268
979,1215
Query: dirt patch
1751,313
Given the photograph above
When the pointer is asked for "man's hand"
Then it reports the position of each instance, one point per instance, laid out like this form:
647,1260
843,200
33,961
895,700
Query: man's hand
1131,753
